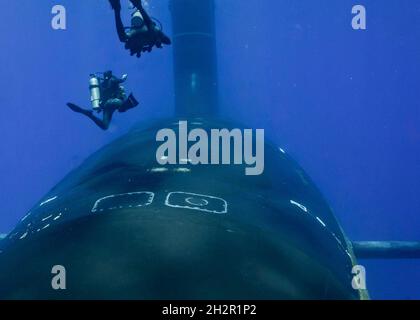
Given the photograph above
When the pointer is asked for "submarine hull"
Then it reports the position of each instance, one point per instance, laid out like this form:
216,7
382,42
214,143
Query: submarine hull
126,228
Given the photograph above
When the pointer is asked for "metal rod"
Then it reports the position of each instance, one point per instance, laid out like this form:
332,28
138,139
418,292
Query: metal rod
386,250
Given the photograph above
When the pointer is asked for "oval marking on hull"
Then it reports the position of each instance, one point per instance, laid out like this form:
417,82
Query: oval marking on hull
196,202
199,202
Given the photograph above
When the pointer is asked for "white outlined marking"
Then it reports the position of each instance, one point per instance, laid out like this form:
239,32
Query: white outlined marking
57,217
301,206
148,202
23,236
199,207
25,217
336,238
12,235
185,161
46,218
321,222
196,202
182,170
158,170
47,201
43,228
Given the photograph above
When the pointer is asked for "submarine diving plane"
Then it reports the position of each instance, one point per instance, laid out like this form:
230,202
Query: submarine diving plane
126,227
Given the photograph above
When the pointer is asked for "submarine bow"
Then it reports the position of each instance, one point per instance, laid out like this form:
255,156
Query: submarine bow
125,227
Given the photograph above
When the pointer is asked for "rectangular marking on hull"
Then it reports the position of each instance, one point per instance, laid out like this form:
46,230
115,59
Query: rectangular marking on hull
124,201
199,202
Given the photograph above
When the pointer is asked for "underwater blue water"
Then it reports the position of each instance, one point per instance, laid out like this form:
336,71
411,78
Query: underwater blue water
344,103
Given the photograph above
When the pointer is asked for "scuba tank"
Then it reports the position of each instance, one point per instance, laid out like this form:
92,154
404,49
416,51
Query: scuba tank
95,93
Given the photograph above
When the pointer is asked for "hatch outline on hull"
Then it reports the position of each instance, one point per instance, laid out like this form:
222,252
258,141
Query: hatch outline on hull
190,206
147,203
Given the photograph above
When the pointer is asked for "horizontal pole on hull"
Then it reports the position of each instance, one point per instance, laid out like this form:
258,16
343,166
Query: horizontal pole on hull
386,249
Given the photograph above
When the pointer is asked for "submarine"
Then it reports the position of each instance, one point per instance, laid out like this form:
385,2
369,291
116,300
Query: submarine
125,227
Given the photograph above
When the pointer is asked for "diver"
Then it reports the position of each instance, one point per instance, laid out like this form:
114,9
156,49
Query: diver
107,96
143,34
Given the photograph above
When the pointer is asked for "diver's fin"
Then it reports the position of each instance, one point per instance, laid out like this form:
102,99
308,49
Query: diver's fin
77,109
130,103
386,249
165,39
89,114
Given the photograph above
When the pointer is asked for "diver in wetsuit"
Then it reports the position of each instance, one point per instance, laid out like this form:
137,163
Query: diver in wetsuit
143,34
107,96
